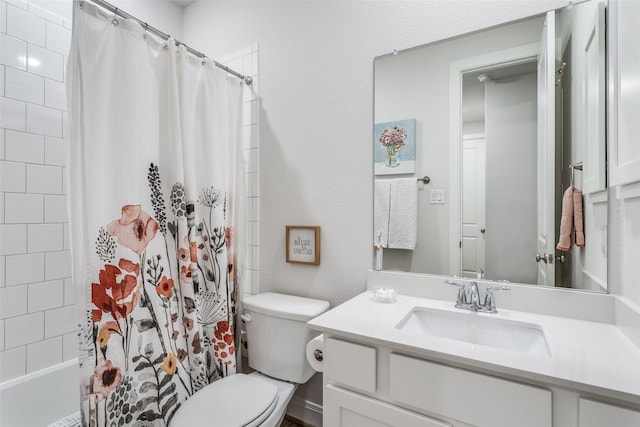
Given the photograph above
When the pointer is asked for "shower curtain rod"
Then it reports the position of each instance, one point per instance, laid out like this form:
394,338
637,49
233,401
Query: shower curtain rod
119,12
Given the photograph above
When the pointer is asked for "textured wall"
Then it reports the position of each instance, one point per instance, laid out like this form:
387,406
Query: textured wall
316,113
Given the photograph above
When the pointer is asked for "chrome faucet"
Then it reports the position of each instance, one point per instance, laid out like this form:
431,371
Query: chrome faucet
474,296
461,301
473,302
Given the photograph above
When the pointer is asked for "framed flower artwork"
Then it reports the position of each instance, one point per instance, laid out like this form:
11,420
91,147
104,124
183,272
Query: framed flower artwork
395,147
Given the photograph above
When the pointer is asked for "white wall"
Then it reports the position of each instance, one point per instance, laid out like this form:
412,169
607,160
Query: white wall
316,65
511,123
164,15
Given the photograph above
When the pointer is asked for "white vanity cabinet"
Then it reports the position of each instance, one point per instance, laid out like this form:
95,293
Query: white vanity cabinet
367,385
343,408
377,372
598,414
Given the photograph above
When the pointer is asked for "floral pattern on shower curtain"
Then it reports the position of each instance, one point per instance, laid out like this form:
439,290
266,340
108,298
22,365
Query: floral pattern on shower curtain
155,197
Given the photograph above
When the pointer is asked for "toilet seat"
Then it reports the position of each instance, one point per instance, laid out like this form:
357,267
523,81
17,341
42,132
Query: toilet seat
235,401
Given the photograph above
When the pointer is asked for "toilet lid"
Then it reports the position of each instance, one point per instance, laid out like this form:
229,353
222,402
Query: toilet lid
235,401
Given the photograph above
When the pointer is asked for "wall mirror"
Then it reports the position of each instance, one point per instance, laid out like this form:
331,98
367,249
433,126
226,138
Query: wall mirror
502,122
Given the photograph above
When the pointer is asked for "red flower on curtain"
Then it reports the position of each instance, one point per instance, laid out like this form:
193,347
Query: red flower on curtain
223,343
135,229
165,287
129,266
114,296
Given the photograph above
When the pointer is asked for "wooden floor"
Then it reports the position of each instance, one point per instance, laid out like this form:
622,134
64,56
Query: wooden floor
291,422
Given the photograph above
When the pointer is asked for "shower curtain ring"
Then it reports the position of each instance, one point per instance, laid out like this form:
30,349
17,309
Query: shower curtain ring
115,21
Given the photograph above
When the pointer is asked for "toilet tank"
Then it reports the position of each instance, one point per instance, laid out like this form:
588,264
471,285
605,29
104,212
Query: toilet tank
277,334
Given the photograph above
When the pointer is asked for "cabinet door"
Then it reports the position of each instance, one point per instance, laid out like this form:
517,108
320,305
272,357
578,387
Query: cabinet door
596,414
346,409
477,399
350,365
624,101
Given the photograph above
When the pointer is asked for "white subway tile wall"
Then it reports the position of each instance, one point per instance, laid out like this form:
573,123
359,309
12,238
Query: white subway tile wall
245,61
37,297
37,301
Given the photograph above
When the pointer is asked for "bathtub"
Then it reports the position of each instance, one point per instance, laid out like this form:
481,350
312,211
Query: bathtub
40,398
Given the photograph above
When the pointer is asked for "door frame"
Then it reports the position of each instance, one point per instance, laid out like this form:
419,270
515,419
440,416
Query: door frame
516,55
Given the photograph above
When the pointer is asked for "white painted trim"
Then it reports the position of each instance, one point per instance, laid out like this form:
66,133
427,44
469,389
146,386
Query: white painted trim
621,171
629,191
597,197
594,169
513,55
593,282
306,411
627,318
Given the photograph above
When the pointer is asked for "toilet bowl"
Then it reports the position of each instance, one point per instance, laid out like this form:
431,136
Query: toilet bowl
277,335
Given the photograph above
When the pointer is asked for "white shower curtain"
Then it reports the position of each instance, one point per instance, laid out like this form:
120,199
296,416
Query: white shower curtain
155,195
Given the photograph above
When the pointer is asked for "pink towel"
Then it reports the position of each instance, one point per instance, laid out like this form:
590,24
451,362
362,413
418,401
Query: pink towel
566,222
571,220
577,217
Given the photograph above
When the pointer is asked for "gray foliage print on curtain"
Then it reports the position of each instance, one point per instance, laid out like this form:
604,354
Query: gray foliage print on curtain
161,321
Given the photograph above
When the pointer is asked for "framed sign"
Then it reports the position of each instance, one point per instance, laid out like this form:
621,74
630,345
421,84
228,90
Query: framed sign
303,244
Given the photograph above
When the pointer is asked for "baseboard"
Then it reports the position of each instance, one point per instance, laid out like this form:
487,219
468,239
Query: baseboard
309,413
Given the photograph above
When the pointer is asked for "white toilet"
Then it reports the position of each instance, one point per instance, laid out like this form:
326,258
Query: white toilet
277,335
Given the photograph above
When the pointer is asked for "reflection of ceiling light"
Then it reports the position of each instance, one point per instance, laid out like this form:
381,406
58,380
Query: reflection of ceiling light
32,61
484,78
628,85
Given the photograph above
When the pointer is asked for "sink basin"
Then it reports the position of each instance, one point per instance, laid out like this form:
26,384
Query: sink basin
475,328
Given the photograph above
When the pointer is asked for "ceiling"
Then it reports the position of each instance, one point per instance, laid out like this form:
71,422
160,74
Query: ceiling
183,3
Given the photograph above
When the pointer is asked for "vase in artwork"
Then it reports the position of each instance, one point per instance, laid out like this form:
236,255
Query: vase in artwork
392,156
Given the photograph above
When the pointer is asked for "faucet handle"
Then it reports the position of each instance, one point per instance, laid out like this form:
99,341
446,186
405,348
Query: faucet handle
489,300
462,295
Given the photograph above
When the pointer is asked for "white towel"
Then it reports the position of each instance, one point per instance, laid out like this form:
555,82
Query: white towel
403,213
381,207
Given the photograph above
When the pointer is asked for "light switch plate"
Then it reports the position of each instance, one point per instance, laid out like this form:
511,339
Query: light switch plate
436,196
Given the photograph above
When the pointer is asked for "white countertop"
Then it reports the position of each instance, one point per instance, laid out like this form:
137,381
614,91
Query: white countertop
587,356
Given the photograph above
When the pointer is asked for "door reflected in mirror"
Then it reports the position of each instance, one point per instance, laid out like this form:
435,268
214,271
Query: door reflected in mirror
501,117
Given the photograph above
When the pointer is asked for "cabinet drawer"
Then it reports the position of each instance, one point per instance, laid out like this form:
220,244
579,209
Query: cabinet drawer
597,414
480,400
345,409
349,364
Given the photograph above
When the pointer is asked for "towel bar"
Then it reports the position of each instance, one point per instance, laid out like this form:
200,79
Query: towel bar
573,167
